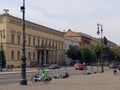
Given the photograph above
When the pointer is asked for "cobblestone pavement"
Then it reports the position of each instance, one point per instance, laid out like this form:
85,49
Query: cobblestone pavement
98,81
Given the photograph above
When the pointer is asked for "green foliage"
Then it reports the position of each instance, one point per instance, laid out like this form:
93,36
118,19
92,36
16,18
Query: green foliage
92,54
98,51
115,54
81,53
74,53
88,54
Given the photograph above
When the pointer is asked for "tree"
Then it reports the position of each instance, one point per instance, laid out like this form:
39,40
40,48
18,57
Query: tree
74,53
115,54
82,53
92,54
98,52
88,55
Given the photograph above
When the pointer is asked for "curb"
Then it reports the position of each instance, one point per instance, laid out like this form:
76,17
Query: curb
12,72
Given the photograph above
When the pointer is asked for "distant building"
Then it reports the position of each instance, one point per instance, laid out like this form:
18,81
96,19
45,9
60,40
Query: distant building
70,41
84,39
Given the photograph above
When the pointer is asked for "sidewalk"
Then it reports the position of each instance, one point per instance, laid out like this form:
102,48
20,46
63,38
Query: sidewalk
99,81
18,70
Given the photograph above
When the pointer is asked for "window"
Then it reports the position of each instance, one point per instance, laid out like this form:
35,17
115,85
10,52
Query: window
59,45
46,43
29,56
33,41
38,42
29,41
18,55
12,55
53,44
19,39
62,45
33,55
56,44
12,38
42,42
49,43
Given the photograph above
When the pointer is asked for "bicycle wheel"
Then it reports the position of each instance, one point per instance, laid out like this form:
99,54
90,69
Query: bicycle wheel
33,79
46,79
115,72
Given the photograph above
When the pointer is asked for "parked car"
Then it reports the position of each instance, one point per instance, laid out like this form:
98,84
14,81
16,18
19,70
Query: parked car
54,66
79,67
76,64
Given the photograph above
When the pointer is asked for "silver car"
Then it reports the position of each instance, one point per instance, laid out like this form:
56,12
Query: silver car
54,66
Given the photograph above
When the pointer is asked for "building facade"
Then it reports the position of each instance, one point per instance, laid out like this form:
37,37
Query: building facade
70,41
43,45
84,39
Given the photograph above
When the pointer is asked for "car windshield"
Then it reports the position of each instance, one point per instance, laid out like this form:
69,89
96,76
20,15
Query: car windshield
54,65
77,64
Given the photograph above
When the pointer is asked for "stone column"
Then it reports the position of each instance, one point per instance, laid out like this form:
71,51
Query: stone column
49,57
40,57
53,56
44,56
56,56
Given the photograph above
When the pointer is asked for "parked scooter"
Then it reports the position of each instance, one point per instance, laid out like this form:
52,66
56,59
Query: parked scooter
60,74
116,71
41,76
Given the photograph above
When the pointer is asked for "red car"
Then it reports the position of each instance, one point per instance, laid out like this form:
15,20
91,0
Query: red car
79,66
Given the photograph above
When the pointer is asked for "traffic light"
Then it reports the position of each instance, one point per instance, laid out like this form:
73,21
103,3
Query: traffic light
105,41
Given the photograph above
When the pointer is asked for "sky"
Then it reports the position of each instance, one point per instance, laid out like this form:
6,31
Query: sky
77,15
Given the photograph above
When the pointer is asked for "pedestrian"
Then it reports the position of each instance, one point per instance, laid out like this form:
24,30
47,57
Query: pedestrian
85,68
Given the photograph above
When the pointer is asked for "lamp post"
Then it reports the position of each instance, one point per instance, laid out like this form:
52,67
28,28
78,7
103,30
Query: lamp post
23,80
101,32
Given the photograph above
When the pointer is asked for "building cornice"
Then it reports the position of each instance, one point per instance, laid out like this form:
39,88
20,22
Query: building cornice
18,21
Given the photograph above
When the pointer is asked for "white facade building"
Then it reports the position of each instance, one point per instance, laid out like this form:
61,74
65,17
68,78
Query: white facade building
70,41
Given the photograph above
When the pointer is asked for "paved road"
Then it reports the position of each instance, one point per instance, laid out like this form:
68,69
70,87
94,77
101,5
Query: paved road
99,81
12,78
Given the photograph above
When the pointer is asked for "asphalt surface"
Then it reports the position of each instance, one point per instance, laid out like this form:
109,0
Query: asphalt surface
98,81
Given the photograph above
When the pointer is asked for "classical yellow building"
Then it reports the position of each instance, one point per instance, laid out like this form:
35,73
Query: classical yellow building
43,45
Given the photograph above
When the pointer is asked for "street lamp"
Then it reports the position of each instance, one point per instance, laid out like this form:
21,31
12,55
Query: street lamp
2,32
23,80
101,32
